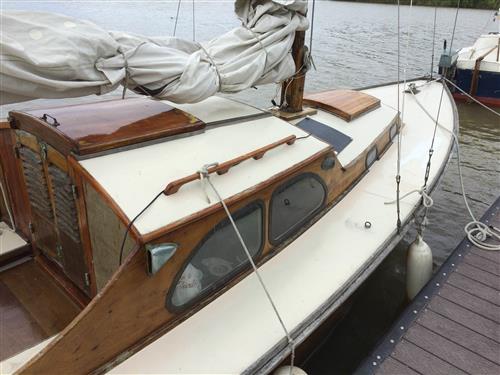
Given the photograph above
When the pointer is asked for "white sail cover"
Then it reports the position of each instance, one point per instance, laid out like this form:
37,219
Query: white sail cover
46,55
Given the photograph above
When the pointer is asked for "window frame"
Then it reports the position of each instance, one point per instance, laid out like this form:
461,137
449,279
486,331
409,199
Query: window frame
372,149
219,284
296,228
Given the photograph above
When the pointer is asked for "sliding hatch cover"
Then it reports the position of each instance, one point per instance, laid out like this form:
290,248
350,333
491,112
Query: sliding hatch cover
333,137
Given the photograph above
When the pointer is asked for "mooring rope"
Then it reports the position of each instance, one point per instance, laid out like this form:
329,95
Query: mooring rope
206,177
476,231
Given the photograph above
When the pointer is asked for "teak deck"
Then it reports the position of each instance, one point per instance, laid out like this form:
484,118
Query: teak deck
453,325
24,320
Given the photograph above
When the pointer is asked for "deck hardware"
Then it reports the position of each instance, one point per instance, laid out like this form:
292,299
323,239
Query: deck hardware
221,168
374,363
368,225
17,147
59,251
46,118
158,255
86,279
31,227
43,150
74,191
328,163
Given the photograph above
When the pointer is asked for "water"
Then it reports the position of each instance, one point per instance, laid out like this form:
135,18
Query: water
354,45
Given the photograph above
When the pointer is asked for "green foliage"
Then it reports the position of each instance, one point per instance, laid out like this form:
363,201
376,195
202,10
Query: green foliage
475,4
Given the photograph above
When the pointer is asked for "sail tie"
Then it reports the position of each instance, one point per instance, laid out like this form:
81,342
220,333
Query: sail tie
212,61
256,36
206,178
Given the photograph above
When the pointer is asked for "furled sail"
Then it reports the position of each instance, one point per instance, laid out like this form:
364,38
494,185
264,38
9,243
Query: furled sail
46,55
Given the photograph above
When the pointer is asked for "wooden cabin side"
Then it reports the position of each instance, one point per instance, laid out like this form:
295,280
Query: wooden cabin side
141,304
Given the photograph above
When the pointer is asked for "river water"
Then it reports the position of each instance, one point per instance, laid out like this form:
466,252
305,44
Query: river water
354,45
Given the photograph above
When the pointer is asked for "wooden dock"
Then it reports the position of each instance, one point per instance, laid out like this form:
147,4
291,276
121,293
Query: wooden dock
453,325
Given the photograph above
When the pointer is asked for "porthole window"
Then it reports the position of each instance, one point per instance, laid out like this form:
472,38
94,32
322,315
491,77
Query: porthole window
393,131
293,204
218,257
371,157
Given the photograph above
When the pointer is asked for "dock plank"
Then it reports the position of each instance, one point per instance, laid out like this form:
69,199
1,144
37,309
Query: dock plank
494,256
475,288
476,274
450,352
483,264
452,326
423,361
471,302
392,366
461,335
477,323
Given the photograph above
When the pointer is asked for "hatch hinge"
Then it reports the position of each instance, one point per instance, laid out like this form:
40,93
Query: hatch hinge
74,191
86,277
59,251
17,151
43,150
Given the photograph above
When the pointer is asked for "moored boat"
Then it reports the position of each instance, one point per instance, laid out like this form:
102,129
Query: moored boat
144,218
475,70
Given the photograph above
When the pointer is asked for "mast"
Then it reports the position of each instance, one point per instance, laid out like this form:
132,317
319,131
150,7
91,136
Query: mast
292,90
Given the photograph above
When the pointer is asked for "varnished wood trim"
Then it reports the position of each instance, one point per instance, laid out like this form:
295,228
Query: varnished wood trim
84,229
224,167
71,289
87,177
231,200
44,131
14,255
379,141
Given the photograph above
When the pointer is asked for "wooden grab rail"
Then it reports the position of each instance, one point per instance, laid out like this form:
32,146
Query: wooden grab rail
222,168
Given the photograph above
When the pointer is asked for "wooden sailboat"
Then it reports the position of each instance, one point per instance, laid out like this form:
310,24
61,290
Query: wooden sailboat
171,290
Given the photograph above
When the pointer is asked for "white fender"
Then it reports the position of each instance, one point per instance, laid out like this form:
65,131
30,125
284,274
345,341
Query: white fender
418,267
287,370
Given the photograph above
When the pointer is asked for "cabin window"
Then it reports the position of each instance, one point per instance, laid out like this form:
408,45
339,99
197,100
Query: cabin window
218,257
294,203
393,131
371,157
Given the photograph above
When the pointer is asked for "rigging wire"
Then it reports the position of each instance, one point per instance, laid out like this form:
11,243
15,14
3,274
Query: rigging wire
433,42
476,231
177,16
398,168
122,247
311,31
471,97
291,344
194,23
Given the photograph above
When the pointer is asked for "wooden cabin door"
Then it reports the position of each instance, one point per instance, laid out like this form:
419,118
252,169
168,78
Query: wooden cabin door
54,215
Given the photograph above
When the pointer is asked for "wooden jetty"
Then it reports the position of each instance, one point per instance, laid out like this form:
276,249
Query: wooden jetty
453,325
